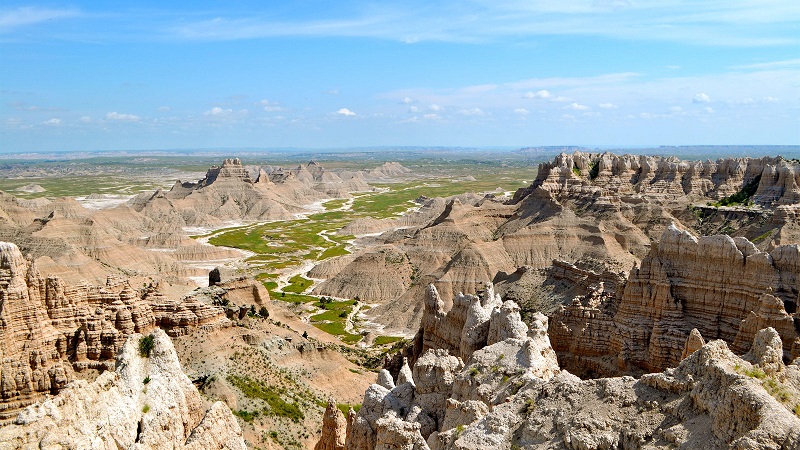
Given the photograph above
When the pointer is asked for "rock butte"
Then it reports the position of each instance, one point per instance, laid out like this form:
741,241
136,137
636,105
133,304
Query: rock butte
584,213
486,380
146,403
53,332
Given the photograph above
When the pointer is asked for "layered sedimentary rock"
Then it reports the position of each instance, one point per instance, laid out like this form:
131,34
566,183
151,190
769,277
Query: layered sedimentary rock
510,393
608,175
51,329
723,287
146,403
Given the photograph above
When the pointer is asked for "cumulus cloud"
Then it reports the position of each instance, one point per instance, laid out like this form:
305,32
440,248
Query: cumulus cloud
435,107
709,110
472,112
407,100
521,111
701,98
218,112
332,92
577,107
608,106
413,109
431,116
53,122
544,94
269,106
85,119
124,117
345,112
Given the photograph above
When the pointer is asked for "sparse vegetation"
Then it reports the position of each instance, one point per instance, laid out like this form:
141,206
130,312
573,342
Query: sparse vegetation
743,196
273,398
247,416
386,340
145,409
146,379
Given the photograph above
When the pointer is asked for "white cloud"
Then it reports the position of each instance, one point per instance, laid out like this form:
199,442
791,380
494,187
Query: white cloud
413,109
435,107
675,109
218,112
54,122
24,16
345,112
164,108
567,116
472,112
701,98
269,106
332,92
709,110
577,107
521,111
607,106
544,94
124,117
591,114
789,63
431,116
86,119
407,100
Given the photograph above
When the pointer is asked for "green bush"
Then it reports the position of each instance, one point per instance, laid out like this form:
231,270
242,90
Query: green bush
146,344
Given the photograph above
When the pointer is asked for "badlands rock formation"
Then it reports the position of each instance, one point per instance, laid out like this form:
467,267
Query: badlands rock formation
486,380
52,332
594,213
146,403
722,287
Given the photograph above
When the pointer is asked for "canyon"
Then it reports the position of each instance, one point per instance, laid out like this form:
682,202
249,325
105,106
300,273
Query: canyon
664,291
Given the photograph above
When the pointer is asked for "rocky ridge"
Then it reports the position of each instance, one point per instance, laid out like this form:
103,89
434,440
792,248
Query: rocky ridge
718,286
486,380
146,403
592,213
53,332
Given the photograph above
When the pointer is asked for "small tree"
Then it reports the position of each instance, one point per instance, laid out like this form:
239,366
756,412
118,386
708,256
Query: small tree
146,344
263,312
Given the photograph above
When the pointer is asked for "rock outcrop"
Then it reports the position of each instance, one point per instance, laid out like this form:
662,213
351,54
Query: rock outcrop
611,176
51,330
146,403
511,393
723,287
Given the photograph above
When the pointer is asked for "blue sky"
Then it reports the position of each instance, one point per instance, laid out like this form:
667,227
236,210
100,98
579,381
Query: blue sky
157,75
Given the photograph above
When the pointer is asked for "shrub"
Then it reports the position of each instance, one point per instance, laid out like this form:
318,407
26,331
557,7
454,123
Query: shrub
146,379
263,312
146,344
145,408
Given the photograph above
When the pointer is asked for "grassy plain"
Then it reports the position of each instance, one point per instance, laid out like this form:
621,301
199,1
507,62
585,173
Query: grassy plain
284,247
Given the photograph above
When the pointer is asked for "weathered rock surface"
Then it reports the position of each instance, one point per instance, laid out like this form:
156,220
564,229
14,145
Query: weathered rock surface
585,219
52,330
723,287
146,403
512,394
